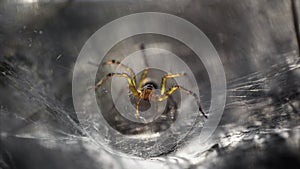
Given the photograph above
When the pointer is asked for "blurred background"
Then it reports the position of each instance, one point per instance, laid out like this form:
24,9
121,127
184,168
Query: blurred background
258,44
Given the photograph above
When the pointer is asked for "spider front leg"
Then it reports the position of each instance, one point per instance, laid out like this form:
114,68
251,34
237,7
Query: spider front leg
164,80
128,69
174,88
137,103
141,82
129,79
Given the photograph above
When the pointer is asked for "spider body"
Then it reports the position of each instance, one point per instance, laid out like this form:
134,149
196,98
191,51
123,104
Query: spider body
145,89
146,92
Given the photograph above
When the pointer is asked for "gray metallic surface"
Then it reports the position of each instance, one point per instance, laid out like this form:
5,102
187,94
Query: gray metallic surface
257,44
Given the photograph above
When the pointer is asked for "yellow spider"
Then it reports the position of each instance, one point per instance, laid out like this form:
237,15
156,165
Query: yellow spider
144,89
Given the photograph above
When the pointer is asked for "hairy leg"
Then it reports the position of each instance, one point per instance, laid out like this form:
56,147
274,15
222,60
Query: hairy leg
144,75
128,69
174,88
164,80
130,81
137,103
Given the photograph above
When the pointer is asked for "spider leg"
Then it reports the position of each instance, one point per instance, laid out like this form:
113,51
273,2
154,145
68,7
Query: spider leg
130,81
144,75
174,88
137,103
128,69
164,80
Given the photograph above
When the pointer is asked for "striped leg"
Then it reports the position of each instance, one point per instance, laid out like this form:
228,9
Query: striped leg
137,103
144,75
128,69
109,75
164,80
174,88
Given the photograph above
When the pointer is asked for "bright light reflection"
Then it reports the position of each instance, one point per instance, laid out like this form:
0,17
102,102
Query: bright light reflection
28,1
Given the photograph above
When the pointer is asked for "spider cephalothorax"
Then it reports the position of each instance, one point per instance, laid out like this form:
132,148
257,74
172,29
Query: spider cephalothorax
144,90
147,90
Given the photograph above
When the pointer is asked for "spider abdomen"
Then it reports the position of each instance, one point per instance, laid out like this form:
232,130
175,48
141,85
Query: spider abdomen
146,93
147,89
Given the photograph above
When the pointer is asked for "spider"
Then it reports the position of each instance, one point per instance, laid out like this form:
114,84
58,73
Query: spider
144,89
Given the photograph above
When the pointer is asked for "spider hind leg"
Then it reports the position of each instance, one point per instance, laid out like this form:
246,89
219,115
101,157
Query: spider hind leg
176,87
